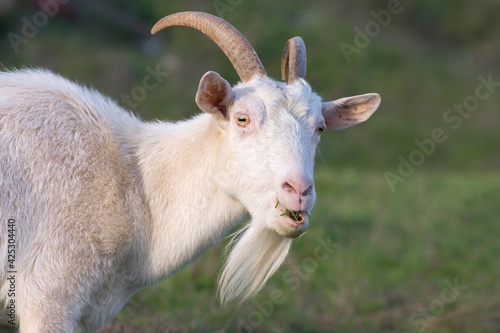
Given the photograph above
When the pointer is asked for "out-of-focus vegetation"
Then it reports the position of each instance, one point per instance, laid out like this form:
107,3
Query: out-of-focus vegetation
398,248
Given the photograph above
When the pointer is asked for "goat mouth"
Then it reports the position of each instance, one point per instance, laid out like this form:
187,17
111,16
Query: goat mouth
296,216
296,219
293,223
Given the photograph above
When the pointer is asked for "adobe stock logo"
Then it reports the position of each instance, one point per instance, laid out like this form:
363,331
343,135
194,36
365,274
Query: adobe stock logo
424,316
30,28
223,6
372,29
452,117
150,82
293,279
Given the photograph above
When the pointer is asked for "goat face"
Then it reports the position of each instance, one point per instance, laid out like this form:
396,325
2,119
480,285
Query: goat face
271,130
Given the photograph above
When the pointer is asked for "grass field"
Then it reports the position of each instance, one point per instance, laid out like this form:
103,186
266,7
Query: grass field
393,246
422,259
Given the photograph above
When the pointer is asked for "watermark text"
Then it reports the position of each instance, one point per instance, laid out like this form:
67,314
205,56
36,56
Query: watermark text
11,271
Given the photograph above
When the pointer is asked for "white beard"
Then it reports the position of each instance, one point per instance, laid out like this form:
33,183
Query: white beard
258,253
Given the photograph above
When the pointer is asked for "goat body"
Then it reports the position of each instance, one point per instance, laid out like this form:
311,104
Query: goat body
103,204
96,203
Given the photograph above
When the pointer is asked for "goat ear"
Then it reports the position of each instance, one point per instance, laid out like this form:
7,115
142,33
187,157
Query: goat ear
349,111
214,95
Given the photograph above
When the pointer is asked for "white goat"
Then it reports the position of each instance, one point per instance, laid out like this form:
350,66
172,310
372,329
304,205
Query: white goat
96,204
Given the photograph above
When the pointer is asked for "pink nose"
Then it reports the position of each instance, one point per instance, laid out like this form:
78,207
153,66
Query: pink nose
301,187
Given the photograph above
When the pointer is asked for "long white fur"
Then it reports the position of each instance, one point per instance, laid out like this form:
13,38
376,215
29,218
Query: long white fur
105,204
254,258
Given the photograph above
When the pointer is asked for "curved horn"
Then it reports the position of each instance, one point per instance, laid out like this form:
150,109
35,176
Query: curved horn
294,60
236,47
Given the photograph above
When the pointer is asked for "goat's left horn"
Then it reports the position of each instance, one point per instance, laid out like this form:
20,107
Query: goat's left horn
294,60
236,47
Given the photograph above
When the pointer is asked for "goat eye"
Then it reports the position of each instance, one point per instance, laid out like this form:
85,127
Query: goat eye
243,120
320,129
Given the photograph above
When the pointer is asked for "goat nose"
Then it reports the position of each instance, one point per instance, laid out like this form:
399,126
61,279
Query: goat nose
301,187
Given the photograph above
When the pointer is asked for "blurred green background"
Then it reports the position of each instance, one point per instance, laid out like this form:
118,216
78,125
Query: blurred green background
415,225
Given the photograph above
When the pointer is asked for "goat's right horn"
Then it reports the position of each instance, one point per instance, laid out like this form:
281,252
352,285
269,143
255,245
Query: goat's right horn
294,60
236,47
